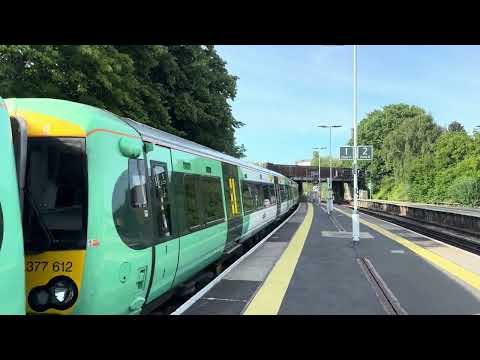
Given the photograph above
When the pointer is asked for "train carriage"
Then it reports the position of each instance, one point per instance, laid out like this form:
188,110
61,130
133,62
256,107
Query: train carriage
121,214
12,278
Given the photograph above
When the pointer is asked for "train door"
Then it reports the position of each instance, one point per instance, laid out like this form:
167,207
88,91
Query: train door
232,193
12,263
277,194
166,244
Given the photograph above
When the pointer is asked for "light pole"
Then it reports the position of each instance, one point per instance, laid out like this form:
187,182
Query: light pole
319,177
355,215
330,192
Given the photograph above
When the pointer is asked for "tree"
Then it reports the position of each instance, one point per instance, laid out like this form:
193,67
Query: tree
413,138
183,89
451,148
325,161
374,129
455,126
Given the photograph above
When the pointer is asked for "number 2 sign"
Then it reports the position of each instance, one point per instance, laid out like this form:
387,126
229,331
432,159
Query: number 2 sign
364,152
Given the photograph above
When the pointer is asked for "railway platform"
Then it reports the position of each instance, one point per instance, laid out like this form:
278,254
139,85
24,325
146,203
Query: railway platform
309,266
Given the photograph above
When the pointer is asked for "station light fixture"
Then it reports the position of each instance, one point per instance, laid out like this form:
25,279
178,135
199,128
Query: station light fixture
330,191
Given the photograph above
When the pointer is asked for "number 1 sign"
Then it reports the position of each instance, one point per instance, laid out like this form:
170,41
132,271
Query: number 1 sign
346,152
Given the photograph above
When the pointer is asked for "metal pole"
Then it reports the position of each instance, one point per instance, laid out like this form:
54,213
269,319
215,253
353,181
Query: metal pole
330,184
330,160
319,181
355,214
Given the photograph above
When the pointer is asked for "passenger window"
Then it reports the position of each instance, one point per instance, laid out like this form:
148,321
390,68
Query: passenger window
284,193
162,204
260,198
248,197
192,209
136,183
212,199
267,200
273,198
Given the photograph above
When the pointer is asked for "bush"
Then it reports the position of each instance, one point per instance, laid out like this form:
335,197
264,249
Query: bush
466,191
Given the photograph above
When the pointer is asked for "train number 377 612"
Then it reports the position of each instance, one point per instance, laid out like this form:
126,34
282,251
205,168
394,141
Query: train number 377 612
55,266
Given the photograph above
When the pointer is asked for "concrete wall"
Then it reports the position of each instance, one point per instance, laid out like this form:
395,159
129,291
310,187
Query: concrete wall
363,194
347,191
465,223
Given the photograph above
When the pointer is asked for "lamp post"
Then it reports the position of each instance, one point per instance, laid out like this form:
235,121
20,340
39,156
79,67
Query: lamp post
355,215
319,177
330,192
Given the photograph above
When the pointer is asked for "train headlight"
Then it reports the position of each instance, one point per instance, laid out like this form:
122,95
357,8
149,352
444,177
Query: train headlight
38,299
64,292
60,293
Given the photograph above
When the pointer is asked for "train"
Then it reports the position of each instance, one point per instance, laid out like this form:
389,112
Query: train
114,216
12,277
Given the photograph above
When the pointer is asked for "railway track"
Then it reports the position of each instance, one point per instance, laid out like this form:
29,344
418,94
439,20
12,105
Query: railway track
437,232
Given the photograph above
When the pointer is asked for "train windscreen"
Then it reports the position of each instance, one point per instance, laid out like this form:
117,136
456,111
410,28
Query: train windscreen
55,195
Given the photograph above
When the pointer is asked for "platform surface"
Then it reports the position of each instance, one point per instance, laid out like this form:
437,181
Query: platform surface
310,267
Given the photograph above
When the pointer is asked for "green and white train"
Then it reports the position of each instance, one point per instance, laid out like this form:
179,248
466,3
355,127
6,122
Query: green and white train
12,276
117,216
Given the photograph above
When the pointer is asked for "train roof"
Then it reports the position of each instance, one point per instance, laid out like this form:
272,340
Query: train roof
164,138
91,118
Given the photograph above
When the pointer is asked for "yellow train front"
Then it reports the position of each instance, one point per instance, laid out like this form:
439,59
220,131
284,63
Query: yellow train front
118,216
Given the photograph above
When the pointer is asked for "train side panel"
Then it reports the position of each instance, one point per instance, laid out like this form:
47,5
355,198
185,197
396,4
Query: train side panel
118,257
202,241
12,276
257,213
165,237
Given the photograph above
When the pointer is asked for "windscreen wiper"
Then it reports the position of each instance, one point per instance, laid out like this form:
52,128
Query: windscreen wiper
45,229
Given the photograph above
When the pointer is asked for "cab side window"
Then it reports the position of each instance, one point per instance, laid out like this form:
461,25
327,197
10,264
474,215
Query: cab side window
129,206
161,201
136,183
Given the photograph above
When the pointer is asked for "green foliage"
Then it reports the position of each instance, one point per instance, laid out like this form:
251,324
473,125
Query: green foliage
325,161
455,126
466,190
412,138
451,148
374,129
421,178
183,89
416,160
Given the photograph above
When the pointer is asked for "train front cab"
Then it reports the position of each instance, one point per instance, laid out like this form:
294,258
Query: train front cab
99,237
63,207
12,278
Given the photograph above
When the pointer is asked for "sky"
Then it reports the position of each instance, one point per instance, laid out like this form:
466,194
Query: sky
284,92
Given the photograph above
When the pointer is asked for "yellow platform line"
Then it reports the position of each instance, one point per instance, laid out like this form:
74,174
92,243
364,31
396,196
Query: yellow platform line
269,297
448,266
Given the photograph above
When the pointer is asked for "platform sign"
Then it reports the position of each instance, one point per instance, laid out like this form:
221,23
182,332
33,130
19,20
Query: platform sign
346,152
365,152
